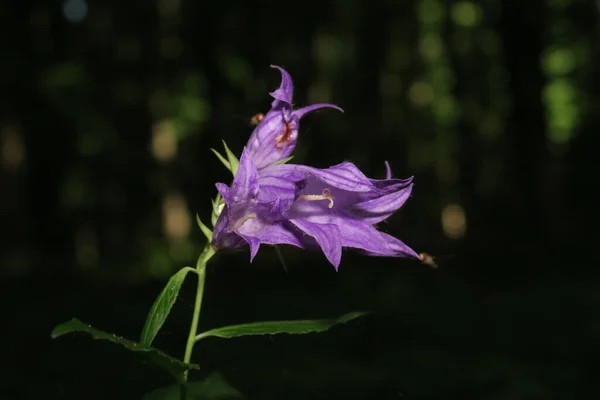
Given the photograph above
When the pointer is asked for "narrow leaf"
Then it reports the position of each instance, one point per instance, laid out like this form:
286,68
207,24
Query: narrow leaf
205,229
157,357
222,159
284,160
234,163
214,387
277,327
162,306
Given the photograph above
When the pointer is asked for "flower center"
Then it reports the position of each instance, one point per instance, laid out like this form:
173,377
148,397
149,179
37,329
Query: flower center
242,221
325,195
285,137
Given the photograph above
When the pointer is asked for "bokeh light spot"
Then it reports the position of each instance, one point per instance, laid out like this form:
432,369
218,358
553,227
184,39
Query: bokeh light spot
176,217
164,141
454,221
420,93
431,47
558,61
465,14
562,110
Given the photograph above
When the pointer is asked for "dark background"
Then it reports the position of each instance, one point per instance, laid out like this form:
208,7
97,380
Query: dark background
107,113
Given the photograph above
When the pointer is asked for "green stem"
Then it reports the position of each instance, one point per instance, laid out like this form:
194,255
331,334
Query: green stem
201,271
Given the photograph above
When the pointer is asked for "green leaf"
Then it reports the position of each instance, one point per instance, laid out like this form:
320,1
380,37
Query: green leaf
277,327
214,387
222,159
205,229
172,365
162,306
284,160
233,160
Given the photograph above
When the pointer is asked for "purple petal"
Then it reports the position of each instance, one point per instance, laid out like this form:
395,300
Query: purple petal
388,171
385,186
278,182
400,249
282,171
254,244
225,192
262,145
285,91
378,209
223,238
256,232
245,182
279,189
280,234
327,237
356,234
363,236
301,112
345,176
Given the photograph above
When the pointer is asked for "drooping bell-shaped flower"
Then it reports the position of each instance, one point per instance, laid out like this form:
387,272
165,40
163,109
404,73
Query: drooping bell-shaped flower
309,207
275,136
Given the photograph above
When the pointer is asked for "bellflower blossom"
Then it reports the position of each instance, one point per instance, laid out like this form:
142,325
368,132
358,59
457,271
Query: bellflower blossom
275,136
270,202
305,207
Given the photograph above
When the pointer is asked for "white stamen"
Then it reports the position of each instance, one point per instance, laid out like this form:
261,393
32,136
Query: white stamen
326,195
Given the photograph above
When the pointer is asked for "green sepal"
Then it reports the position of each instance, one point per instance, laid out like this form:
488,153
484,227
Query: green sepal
234,163
222,159
205,229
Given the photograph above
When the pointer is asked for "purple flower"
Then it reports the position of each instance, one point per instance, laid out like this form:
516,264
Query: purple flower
306,207
274,138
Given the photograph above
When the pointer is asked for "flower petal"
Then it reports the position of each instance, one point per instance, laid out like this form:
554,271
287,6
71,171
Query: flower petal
225,192
256,232
223,238
345,176
388,171
254,244
284,191
290,172
285,91
301,112
400,249
327,237
355,233
245,182
262,145
378,209
386,186
281,233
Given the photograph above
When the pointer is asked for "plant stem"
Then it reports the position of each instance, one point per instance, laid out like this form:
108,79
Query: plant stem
201,271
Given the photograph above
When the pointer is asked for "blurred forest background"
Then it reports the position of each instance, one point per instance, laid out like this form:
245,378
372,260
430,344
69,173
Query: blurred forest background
108,110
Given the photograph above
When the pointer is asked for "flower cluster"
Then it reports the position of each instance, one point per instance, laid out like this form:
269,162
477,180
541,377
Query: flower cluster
270,202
